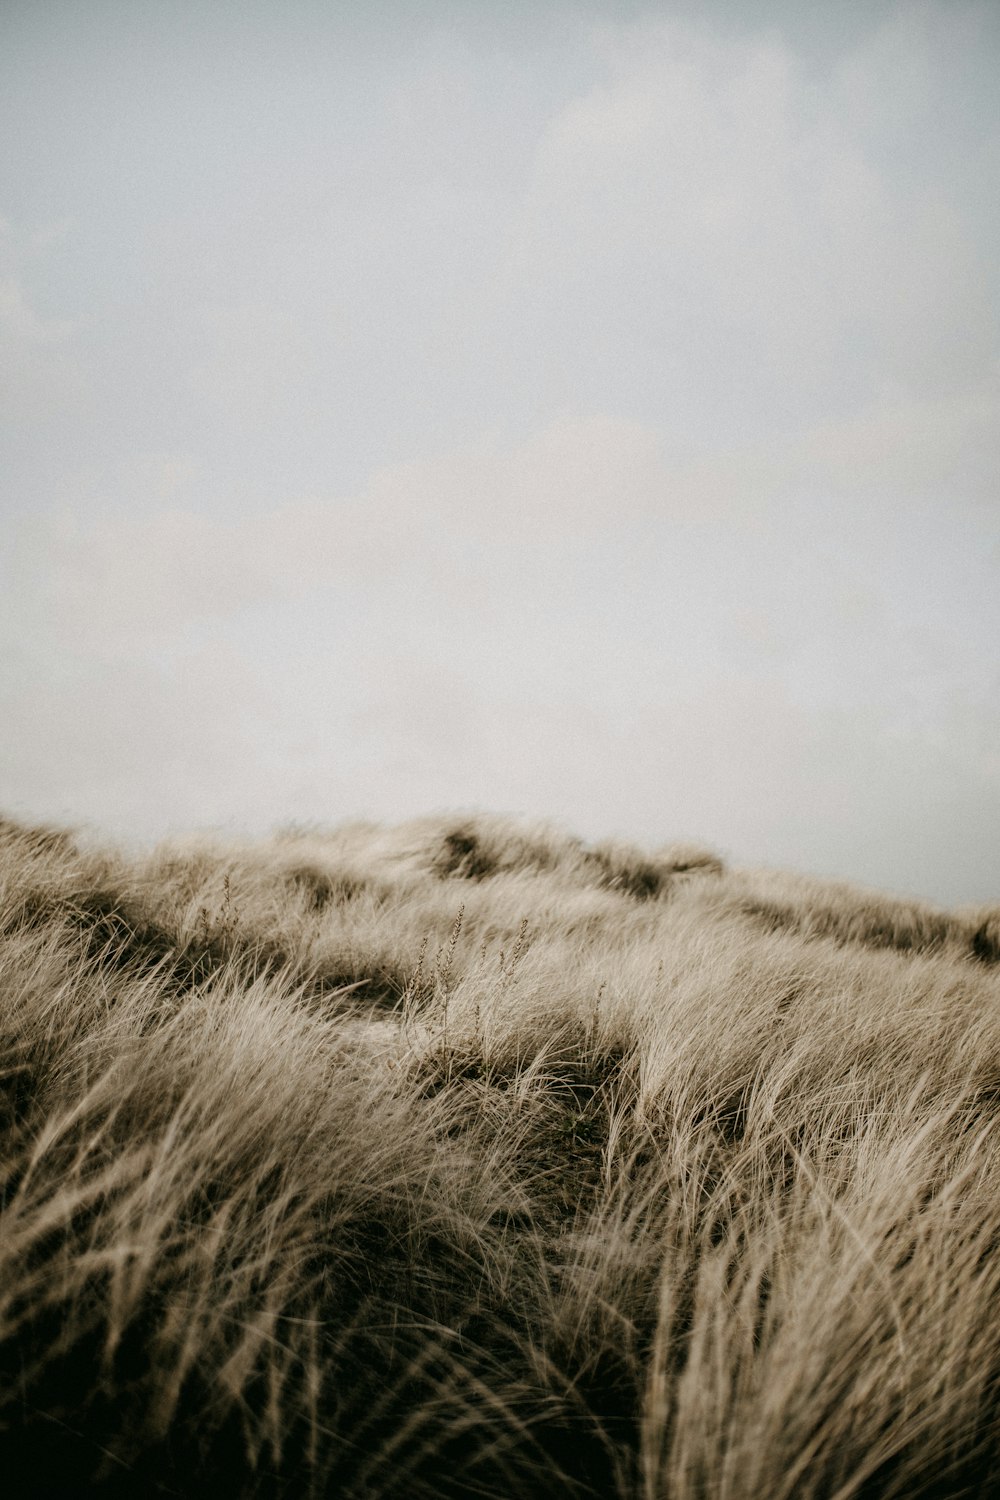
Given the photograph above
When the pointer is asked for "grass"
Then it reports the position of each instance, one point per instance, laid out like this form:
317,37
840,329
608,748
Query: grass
464,1159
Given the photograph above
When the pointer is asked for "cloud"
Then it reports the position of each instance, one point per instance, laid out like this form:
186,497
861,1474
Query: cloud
603,423
716,193
906,450
40,371
467,530
577,624
19,320
123,575
137,746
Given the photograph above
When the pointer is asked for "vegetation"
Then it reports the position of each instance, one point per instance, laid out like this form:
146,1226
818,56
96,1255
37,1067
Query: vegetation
463,1159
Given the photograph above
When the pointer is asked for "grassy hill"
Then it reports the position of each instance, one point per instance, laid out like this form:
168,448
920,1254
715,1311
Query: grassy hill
463,1159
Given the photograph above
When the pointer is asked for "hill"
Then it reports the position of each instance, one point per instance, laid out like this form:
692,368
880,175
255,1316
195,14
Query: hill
466,1159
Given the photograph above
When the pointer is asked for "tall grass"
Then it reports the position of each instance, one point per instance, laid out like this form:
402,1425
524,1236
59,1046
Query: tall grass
466,1159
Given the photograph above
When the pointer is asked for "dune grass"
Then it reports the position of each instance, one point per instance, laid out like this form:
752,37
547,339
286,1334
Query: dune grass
464,1159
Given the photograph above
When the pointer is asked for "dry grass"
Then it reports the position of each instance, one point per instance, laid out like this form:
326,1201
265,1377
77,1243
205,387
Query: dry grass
463,1159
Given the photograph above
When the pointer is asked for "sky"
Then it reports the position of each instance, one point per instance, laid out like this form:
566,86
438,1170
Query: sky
586,411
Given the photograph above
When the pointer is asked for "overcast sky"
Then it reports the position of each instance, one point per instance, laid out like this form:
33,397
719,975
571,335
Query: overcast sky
582,410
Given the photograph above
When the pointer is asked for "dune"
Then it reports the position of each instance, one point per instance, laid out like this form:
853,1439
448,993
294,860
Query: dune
465,1158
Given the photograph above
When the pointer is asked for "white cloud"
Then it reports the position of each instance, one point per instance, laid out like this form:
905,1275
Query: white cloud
600,423
119,581
40,372
905,450
727,195
20,320
139,746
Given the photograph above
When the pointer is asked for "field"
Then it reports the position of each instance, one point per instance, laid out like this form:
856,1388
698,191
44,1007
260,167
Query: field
465,1159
